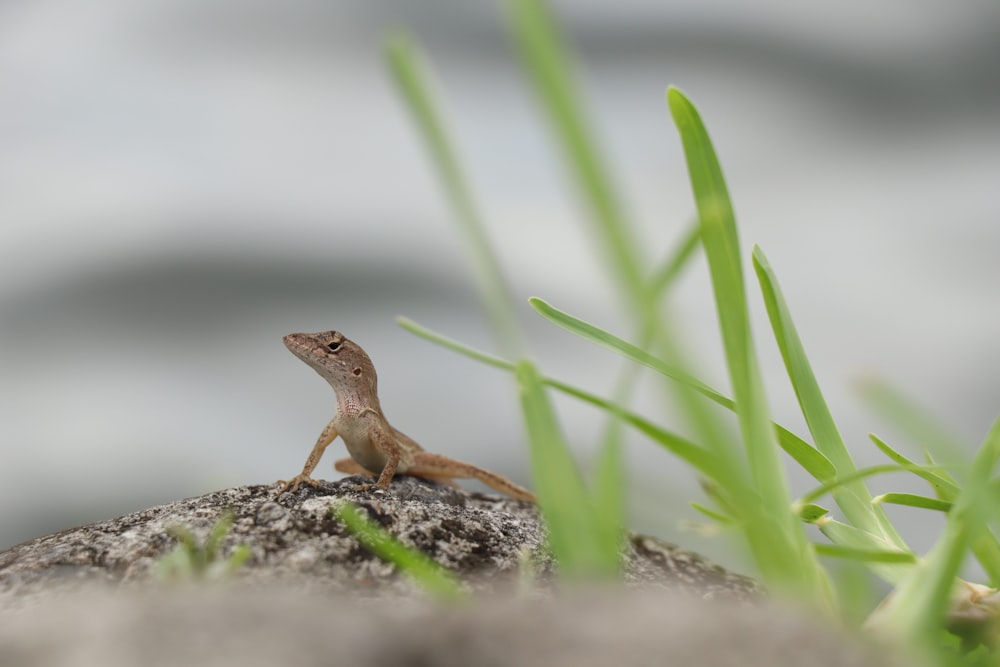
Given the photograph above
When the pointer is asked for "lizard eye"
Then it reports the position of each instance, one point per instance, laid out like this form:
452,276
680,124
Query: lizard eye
357,371
334,346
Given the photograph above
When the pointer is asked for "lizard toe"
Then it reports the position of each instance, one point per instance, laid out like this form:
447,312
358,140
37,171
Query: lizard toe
292,485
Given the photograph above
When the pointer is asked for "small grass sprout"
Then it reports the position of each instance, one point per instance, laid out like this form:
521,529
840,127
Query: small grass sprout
193,559
435,579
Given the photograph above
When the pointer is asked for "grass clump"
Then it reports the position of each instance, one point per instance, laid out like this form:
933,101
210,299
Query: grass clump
194,559
744,476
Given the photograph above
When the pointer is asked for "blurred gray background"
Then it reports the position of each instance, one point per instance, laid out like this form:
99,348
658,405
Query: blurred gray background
182,183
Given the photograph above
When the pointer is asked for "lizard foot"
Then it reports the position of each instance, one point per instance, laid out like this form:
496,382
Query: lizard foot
368,486
293,484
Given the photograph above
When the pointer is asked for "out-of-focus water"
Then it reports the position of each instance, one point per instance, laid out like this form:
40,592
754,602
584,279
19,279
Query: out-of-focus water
182,184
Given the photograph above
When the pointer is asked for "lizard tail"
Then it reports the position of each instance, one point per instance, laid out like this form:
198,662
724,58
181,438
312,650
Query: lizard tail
434,466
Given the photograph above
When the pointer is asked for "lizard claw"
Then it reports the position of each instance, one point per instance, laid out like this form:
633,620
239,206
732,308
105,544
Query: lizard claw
368,486
293,484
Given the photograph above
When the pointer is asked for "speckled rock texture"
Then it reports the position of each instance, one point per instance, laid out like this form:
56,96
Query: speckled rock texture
489,541
310,594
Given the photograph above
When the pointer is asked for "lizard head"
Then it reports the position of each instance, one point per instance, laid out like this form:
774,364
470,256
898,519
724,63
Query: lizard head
339,360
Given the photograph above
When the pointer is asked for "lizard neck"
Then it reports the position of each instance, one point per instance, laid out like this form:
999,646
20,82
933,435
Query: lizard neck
352,401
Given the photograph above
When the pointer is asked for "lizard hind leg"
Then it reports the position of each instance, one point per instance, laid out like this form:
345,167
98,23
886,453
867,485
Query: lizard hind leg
352,467
435,467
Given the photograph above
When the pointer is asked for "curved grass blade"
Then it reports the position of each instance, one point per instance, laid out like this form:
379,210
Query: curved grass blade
610,341
431,576
811,513
808,457
864,555
913,500
917,610
454,345
776,537
860,473
847,536
413,81
694,455
547,62
579,536
854,499
943,485
718,517
985,545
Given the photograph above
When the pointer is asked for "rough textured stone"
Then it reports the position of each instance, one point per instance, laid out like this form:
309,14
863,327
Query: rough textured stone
312,595
485,539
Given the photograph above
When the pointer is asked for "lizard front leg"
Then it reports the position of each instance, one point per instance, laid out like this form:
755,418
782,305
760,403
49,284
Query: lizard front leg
292,485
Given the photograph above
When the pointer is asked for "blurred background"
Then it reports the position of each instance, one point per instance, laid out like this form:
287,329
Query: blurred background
182,183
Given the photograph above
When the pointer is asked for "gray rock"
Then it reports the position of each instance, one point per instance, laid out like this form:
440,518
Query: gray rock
310,594
488,541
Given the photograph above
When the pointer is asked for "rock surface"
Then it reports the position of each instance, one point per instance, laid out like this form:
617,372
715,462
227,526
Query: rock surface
310,594
487,540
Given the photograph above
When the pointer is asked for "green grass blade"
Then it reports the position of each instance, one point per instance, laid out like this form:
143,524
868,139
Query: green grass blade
718,517
811,512
548,61
847,536
609,491
691,453
855,498
694,455
943,485
454,345
548,64
213,543
579,543
986,548
864,555
724,498
239,556
985,545
913,500
860,473
918,607
775,534
719,237
431,576
410,73
610,341
808,457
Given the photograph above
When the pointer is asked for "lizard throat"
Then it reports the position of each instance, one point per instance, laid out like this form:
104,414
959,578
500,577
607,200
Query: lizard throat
351,403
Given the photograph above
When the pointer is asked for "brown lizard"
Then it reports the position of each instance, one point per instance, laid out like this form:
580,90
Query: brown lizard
376,448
